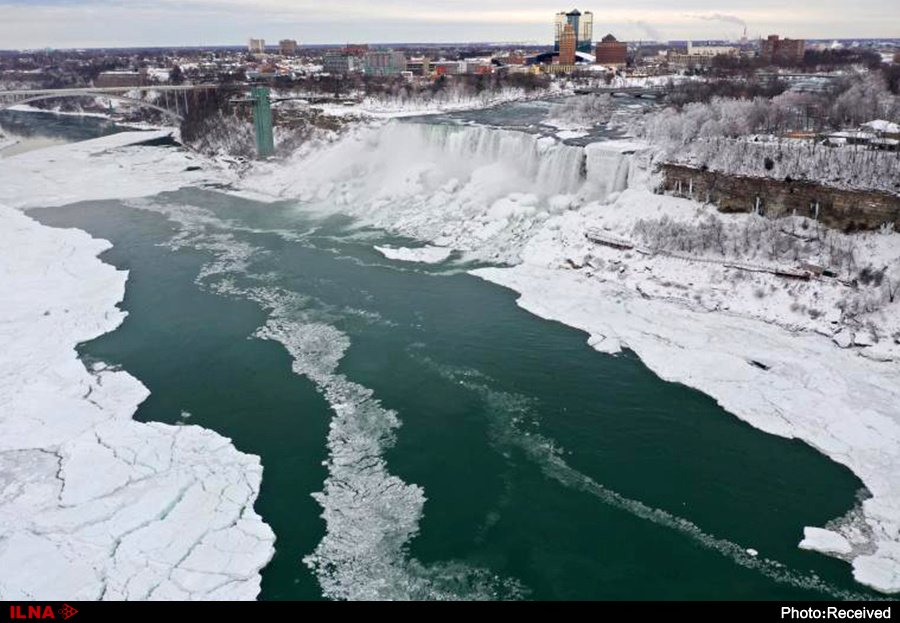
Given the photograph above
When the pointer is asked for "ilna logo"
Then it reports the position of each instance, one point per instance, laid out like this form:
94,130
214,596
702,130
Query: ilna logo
38,612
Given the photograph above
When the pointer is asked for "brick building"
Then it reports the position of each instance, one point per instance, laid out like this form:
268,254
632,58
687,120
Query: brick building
122,79
567,45
778,50
611,52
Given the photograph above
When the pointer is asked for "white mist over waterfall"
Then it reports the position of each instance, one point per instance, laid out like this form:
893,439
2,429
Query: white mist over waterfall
474,188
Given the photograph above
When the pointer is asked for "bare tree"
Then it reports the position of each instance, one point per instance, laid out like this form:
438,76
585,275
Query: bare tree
892,282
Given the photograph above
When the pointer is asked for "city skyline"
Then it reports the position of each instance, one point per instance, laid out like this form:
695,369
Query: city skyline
125,23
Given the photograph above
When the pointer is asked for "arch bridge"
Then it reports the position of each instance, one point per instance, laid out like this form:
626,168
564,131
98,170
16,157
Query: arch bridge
171,101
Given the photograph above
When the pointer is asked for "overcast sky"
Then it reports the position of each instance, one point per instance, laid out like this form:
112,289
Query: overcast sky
108,23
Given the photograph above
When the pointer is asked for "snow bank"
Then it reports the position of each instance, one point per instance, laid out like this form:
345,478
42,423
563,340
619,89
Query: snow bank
565,135
880,125
424,255
689,253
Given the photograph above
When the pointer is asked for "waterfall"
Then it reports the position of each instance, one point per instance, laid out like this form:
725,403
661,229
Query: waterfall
546,166
468,187
610,169
418,177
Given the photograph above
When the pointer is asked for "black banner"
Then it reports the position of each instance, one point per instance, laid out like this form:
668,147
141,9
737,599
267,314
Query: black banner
76,612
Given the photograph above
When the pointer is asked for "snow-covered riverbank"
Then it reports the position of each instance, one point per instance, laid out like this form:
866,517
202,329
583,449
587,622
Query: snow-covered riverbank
94,505
842,404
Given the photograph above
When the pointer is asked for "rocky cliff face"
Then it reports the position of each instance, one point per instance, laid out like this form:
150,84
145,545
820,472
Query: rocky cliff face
848,210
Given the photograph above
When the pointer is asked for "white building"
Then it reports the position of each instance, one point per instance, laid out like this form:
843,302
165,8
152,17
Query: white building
711,50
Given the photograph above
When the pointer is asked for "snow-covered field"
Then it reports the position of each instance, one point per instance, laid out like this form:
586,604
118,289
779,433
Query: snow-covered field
94,505
813,360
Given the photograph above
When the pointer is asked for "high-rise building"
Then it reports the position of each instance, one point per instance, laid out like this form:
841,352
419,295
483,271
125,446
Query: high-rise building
287,47
611,52
585,33
774,50
257,46
582,24
567,43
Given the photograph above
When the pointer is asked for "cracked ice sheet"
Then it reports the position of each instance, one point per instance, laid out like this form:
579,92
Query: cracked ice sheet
94,505
846,406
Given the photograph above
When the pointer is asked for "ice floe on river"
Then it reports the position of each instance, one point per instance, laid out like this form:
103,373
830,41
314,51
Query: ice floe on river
370,514
94,505
422,255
